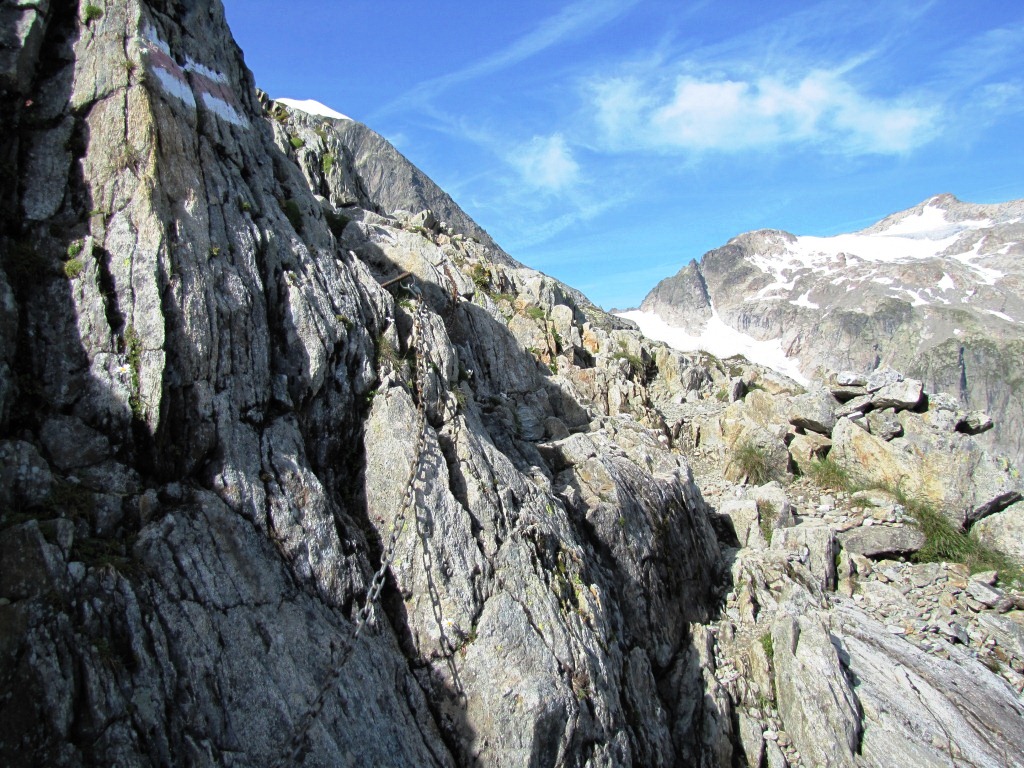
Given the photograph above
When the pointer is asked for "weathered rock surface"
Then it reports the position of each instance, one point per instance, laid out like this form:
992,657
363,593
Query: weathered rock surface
1004,530
255,367
224,402
879,540
949,470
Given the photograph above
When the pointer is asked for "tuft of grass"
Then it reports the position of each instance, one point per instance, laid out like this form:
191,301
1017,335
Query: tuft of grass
828,474
754,461
73,268
944,542
133,349
767,513
387,354
769,648
106,553
91,13
297,142
327,162
294,214
75,249
481,276
636,363
536,313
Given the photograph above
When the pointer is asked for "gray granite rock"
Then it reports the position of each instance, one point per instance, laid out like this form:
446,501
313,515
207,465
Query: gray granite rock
882,540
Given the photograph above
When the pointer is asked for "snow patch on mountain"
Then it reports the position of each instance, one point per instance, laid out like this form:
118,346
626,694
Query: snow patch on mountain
804,301
313,107
1000,315
927,234
720,340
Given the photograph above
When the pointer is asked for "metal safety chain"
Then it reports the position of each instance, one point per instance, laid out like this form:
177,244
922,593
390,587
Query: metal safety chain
388,556
294,752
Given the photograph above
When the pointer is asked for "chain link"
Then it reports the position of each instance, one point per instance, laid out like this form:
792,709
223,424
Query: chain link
388,556
295,751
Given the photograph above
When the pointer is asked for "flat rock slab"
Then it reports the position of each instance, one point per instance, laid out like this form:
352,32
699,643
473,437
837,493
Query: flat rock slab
901,395
815,411
877,540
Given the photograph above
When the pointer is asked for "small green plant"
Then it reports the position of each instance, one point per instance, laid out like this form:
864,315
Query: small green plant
104,553
828,474
636,363
767,513
481,276
75,249
73,268
337,222
244,206
214,251
721,395
328,162
944,542
297,142
753,461
769,648
133,349
294,214
91,13
536,313
130,159
71,501
387,353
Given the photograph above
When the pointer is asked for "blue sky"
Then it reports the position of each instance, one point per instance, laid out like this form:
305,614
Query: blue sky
609,142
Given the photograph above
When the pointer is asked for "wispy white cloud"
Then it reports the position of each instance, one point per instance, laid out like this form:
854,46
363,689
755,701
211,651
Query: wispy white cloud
571,23
535,229
717,113
546,162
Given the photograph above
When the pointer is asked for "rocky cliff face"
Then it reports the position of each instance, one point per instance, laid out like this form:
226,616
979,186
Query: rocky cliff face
255,397
934,291
215,415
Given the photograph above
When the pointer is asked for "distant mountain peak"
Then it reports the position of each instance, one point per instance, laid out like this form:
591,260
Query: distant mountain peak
933,289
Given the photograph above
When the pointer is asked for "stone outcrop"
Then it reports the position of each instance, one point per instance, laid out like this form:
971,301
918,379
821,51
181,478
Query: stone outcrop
242,364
